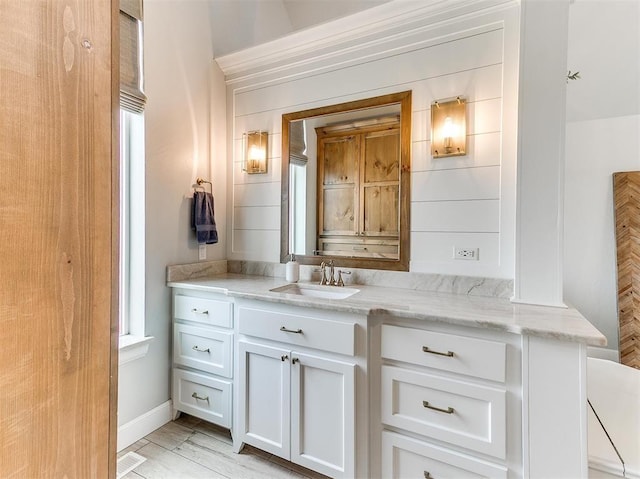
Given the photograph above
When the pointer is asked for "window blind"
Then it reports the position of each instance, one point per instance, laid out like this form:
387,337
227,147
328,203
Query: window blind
132,97
297,143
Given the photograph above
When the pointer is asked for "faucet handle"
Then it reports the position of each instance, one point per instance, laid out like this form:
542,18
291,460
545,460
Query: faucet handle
340,273
323,280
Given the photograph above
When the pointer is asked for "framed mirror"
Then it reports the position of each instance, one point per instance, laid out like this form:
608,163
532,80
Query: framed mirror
346,184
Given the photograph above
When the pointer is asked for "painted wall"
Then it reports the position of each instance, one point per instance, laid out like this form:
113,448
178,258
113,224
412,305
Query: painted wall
462,201
185,138
603,136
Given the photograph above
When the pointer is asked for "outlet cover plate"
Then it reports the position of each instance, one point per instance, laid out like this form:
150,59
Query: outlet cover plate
467,254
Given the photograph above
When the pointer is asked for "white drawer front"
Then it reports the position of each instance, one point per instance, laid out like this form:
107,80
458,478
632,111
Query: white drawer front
203,396
457,412
203,348
404,457
328,335
459,354
203,310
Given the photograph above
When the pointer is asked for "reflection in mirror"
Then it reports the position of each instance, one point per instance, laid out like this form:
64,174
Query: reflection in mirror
345,183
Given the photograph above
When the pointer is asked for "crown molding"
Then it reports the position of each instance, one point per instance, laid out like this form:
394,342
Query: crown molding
359,30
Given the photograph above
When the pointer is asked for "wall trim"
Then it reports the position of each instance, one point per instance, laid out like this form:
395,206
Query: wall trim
144,424
354,32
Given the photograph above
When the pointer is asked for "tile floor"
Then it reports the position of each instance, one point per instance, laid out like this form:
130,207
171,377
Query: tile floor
192,448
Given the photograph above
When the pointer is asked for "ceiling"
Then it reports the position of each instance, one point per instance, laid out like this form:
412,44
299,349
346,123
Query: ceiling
240,24
604,43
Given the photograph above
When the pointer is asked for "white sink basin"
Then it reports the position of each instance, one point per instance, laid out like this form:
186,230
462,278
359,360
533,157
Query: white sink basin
317,291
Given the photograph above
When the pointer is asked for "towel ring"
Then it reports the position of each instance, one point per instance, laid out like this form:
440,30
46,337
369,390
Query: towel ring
199,181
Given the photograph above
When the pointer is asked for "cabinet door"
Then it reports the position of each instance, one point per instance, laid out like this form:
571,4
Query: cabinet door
264,408
380,184
323,414
337,185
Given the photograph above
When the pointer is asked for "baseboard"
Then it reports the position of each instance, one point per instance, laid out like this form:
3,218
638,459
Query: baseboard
142,425
603,353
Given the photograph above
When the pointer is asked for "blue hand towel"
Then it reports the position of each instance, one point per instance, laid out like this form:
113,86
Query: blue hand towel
202,220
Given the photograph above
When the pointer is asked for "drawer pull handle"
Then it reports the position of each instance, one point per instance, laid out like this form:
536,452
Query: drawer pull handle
295,360
284,357
196,348
296,331
449,410
195,311
195,396
427,475
431,351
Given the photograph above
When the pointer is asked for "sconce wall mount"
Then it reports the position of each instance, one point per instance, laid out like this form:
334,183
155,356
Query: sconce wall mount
255,152
449,128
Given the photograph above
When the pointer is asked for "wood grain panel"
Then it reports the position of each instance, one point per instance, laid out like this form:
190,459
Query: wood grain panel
626,192
58,238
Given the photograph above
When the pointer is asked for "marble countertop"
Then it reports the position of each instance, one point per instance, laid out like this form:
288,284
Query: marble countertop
472,311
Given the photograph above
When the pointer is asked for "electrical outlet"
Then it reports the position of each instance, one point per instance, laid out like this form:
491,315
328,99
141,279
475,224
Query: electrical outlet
202,252
466,253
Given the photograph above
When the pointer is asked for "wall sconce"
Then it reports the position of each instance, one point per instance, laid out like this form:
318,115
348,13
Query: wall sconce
449,128
255,152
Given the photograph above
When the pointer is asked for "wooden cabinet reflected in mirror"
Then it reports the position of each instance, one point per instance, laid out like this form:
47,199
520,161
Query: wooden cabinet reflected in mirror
345,183
359,188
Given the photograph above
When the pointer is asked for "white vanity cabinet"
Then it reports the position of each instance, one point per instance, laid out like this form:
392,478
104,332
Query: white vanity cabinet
298,372
447,386
202,373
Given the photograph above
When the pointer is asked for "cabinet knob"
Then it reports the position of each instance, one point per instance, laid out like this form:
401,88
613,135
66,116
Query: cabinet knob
427,475
295,360
284,357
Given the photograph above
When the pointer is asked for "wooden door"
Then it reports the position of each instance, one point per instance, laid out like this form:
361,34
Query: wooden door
58,238
323,414
264,402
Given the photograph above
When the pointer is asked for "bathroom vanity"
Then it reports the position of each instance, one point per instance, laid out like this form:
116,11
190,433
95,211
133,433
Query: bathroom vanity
367,381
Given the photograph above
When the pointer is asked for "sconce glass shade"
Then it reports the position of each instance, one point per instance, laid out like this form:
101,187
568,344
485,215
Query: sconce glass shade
449,128
255,152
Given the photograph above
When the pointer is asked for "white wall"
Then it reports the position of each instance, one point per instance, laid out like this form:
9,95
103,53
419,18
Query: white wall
185,138
462,201
603,136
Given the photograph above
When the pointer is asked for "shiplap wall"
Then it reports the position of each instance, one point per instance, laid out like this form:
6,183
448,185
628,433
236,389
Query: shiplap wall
460,201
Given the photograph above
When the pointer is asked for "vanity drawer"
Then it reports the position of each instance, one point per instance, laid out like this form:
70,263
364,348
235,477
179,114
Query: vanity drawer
475,357
203,310
202,396
363,248
311,332
404,457
468,415
203,348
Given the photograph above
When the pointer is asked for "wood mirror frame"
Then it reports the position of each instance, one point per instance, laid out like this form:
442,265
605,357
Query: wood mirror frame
403,99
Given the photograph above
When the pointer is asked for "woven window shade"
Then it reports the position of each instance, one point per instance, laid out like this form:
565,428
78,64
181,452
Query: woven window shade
297,143
132,98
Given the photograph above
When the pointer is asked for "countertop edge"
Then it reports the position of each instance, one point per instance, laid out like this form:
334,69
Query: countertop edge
258,288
